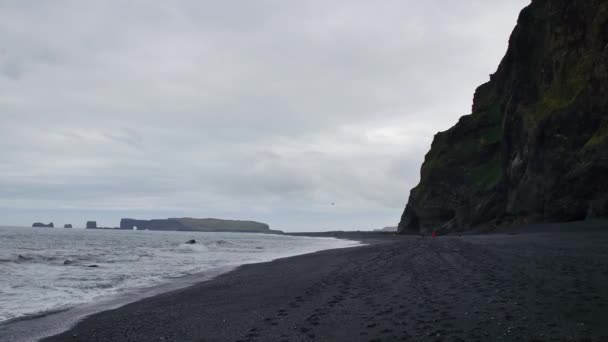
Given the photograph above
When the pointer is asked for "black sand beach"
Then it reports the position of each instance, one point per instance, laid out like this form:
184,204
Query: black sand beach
549,286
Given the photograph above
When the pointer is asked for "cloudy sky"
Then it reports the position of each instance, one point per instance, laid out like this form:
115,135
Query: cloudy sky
269,110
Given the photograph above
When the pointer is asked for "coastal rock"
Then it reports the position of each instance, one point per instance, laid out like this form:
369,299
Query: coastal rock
42,225
91,224
68,262
67,226
191,242
535,148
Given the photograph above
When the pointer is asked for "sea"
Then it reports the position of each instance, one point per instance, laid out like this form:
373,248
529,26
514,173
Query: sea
45,270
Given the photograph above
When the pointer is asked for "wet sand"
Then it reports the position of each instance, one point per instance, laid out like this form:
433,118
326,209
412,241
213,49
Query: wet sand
550,286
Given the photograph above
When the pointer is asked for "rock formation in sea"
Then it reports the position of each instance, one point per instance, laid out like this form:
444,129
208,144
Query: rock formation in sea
67,225
42,225
535,148
91,224
193,224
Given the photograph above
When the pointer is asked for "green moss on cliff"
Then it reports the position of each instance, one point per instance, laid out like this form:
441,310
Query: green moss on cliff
456,156
489,124
600,136
565,88
486,175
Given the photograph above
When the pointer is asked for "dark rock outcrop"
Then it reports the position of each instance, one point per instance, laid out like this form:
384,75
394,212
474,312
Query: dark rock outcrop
67,225
191,242
91,224
196,225
42,225
535,148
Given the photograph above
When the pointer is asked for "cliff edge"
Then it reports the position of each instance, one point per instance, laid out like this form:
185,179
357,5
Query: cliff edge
535,148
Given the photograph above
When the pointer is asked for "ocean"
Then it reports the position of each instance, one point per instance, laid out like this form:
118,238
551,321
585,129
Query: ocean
53,269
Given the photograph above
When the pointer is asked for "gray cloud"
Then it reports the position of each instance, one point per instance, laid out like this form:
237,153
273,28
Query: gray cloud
268,110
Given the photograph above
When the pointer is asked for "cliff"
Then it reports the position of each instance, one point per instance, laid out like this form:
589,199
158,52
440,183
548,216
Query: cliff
198,225
535,148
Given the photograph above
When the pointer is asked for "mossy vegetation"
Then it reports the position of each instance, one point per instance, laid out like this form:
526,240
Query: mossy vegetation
600,136
565,88
486,175
576,68
469,152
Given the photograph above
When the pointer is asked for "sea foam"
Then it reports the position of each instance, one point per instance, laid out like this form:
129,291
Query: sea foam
45,270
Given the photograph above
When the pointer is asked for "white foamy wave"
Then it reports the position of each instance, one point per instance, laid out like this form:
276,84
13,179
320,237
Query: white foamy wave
193,248
53,269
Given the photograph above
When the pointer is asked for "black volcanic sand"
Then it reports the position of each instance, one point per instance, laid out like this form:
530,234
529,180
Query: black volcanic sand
524,287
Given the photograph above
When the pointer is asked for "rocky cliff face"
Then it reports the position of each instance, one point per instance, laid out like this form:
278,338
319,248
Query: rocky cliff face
535,148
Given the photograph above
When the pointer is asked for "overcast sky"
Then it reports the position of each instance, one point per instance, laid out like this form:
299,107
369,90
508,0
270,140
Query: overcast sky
269,110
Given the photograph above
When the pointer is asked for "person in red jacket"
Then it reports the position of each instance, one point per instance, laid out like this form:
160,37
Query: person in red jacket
434,234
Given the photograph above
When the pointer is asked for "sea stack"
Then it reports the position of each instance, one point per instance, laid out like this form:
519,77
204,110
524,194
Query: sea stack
91,224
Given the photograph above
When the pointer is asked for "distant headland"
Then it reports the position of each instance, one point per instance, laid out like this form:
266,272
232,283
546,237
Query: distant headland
186,224
197,225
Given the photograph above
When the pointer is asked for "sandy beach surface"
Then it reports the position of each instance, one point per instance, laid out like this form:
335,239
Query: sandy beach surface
544,286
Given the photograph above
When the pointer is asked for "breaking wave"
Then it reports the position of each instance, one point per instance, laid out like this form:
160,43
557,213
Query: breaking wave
44,270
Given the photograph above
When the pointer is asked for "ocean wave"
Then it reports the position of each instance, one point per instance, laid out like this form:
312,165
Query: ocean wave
37,277
222,243
35,258
191,248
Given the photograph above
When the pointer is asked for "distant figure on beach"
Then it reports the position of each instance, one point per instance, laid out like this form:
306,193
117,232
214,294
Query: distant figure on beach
434,234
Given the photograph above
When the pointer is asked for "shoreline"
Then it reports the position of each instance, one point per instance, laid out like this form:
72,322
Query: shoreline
40,325
543,286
